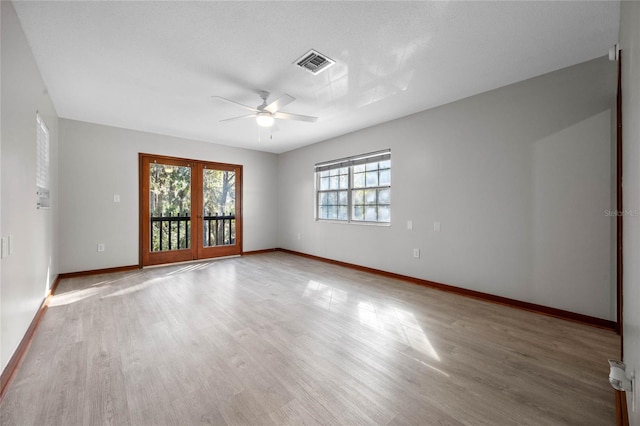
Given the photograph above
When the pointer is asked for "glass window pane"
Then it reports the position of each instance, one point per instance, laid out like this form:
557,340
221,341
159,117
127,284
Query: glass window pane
334,182
384,196
372,178
370,213
358,197
358,192
323,212
333,212
385,177
384,214
370,196
358,180
324,173
343,213
358,213
324,183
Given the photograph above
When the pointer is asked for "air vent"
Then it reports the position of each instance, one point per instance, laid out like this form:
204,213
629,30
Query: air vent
314,62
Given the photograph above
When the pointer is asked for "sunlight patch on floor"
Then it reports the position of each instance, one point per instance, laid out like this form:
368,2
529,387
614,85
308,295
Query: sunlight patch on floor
392,321
324,295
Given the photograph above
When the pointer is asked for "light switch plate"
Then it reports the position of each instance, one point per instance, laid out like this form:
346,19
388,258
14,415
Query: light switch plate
436,226
4,249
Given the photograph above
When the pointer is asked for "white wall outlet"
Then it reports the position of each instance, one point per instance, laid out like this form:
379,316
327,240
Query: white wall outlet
12,243
101,247
299,236
436,226
116,198
409,224
416,253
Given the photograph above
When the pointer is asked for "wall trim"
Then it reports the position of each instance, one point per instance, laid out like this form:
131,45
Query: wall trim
9,372
252,252
98,271
518,304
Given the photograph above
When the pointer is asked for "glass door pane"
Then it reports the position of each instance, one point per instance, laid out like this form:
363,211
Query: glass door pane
169,207
218,207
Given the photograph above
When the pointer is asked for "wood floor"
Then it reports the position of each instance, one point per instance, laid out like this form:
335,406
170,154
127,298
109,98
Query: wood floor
280,339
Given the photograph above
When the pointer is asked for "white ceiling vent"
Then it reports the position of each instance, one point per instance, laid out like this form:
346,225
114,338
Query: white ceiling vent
314,62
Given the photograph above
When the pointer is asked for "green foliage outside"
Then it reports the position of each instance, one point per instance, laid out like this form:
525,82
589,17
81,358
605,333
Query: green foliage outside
170,196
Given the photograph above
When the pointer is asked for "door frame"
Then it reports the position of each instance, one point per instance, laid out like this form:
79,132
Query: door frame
195,252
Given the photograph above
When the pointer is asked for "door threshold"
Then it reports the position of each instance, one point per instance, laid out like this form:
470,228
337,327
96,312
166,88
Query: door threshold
186,262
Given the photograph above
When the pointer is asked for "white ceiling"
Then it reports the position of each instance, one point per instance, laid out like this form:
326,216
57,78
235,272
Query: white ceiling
153,66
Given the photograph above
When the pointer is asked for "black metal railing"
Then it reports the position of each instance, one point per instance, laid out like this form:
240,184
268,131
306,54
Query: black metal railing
166,233
219,230
173,232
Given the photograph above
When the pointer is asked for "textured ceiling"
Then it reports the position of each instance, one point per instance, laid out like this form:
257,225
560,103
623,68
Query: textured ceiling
153,66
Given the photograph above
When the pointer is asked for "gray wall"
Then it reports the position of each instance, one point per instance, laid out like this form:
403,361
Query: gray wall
97,162
518,177
630,44
27,274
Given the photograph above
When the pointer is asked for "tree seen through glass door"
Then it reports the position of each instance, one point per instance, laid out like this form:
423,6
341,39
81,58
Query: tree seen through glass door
219,207
169,207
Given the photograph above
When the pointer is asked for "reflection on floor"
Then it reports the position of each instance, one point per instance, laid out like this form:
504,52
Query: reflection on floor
279,339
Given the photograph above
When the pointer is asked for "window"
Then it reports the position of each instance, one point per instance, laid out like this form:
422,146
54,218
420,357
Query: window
355,189
42,162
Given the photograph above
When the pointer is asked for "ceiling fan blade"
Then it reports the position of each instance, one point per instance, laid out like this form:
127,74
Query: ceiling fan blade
239,118
279,103
235,103
298,117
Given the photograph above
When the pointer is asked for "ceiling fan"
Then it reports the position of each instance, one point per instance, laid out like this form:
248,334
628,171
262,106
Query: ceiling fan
265,114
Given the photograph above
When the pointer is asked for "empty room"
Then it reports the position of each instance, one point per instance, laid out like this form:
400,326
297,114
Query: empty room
319,212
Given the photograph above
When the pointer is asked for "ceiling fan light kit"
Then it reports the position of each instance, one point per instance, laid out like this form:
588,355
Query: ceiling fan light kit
264,119
265,114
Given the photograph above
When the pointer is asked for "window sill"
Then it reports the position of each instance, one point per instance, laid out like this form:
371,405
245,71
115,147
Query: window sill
354,222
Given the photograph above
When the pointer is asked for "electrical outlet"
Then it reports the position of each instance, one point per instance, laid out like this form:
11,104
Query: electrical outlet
299,236
409,224
101,247
416,253
436,226
116,198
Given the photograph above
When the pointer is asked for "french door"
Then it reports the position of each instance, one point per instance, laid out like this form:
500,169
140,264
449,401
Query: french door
189,209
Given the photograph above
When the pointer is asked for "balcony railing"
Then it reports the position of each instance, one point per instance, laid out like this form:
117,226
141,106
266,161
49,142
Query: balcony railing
173,232
219,230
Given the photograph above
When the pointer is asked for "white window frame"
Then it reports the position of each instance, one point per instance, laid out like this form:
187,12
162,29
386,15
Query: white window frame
42,162
343,180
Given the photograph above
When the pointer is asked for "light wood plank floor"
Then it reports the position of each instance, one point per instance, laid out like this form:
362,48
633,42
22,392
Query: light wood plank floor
280,339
